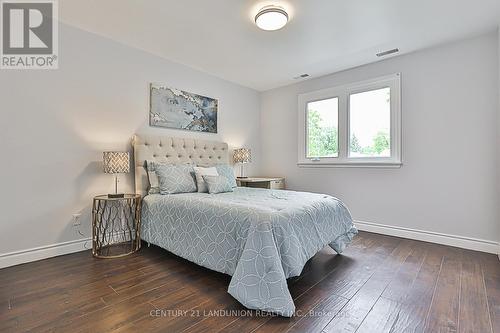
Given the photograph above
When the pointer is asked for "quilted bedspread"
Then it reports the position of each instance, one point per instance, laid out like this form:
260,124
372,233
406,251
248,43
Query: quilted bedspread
259,237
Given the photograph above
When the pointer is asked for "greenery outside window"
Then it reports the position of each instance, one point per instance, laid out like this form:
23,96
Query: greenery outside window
352,125
322,128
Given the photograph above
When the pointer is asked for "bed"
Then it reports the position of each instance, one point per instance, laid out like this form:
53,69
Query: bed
260,237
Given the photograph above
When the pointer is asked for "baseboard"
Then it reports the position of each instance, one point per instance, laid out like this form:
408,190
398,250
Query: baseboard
42,252
432,237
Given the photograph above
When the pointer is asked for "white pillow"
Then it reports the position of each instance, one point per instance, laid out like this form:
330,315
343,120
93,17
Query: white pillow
199,173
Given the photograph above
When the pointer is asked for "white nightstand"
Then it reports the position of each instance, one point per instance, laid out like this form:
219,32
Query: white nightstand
273,183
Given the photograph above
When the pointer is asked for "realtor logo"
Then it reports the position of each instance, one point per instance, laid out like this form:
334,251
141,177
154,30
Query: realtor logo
29,34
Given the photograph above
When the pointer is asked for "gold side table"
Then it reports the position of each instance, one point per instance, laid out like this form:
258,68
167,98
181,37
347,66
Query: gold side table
116,224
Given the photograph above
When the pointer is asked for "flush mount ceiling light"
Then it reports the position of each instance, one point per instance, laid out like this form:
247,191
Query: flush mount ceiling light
271,18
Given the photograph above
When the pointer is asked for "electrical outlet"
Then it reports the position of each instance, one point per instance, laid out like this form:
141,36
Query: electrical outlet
76,219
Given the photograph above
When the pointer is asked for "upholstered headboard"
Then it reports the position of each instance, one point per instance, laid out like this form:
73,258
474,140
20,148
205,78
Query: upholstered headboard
173,150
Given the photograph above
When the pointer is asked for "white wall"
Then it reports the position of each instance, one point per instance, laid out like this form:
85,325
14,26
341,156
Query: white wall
498,138
54,126
448,181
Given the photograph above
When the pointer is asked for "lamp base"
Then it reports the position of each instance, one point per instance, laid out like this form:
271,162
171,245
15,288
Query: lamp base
117,195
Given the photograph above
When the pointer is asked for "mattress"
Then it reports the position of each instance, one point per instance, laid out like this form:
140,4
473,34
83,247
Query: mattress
260,237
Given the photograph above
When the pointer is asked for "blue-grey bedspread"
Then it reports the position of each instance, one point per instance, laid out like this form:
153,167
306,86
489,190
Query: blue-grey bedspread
260,237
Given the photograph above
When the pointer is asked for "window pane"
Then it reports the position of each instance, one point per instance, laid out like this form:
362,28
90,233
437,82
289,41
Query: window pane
322,128
370,123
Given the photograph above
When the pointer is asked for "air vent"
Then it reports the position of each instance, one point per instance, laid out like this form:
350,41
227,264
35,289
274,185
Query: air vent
302,76
383,54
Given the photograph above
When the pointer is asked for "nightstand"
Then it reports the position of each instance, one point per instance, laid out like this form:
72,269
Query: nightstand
273,183
116,224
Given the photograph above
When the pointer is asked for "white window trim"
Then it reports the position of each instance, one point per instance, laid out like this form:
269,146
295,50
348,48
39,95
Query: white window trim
342,92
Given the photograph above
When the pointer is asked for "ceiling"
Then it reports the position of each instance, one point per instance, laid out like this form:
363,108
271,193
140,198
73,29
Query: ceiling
322,36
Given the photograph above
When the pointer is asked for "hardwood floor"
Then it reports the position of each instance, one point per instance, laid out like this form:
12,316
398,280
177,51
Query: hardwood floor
380,284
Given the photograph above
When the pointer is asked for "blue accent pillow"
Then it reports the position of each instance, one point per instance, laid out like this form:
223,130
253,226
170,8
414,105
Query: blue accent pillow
154,187
217,184
175,178
227,171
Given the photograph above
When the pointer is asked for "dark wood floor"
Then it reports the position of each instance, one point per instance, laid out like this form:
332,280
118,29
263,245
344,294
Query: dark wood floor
380,284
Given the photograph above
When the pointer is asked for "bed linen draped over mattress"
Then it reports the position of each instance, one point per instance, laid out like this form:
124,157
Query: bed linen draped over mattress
259,237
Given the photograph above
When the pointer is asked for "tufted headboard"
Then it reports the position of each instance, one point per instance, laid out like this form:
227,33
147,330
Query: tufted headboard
173,150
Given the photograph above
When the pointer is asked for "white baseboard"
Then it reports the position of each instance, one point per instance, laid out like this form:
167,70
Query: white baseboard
432,237
42,252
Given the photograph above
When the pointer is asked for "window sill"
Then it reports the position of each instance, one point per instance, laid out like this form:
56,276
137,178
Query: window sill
382,165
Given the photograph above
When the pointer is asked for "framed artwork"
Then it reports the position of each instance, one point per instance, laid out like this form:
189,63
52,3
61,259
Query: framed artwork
174,108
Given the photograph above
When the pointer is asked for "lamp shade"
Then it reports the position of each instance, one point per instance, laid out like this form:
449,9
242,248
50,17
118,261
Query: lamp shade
116,162
242,155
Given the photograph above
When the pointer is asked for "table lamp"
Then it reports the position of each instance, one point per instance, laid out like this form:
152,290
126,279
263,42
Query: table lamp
116,162
242,156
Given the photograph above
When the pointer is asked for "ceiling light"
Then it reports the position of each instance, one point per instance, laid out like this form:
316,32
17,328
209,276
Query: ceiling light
271,18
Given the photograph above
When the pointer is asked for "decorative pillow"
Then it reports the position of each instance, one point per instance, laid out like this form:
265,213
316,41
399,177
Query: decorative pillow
154,186
199,173
217,184
175,178
227,171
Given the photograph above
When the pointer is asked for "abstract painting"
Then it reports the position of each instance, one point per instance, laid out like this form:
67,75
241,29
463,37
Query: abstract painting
174,108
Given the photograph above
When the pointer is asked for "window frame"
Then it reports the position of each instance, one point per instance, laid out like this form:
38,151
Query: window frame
343,93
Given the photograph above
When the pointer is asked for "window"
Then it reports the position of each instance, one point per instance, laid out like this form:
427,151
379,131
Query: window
322,128
352,125
370,123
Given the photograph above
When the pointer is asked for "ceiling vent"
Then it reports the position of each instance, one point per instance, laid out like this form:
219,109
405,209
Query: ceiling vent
385,53
302,76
